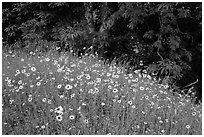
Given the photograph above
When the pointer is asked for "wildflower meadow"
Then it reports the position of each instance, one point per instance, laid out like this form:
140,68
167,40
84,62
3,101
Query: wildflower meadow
60,94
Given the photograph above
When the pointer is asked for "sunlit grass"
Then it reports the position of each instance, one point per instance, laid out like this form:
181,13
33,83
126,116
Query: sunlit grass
62,94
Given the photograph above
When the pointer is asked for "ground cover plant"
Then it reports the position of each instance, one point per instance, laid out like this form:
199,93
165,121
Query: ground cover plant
60,94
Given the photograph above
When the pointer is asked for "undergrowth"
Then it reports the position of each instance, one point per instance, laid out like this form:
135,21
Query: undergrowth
61,94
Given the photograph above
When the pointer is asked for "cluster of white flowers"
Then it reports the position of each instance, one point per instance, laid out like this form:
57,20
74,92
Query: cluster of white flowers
59,111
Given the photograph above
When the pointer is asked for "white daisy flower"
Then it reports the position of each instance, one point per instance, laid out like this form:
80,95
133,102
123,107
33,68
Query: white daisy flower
44,100
59,118
68,87
33,69
71,117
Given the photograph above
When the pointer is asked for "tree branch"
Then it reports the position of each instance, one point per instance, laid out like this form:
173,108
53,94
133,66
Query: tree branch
191,84
159,54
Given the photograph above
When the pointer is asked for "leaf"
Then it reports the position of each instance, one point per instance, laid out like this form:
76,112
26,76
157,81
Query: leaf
157,44
174,42
175,56
183,13
188,55
131,25
148,34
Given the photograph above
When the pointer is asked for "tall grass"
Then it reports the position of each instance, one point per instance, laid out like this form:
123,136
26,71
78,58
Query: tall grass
62,94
